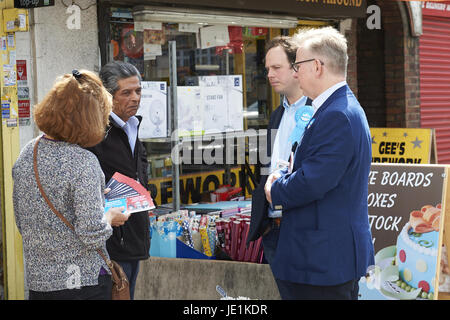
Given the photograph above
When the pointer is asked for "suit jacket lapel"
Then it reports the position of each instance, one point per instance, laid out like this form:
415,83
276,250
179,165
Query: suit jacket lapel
277,118
322,108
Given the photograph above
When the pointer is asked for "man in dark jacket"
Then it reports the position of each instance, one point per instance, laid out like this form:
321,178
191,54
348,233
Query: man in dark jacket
280,54
121,151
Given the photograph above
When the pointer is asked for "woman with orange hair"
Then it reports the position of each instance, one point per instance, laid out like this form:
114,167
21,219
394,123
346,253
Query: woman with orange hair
60,263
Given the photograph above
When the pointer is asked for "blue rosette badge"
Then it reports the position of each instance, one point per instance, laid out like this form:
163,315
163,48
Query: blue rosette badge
302,117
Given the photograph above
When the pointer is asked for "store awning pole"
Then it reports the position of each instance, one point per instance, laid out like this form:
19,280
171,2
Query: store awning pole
174,125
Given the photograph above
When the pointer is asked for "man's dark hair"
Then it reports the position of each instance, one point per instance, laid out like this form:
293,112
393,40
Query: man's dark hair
115,71
285,42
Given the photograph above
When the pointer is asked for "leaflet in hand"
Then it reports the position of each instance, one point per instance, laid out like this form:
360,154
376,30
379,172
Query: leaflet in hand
128,193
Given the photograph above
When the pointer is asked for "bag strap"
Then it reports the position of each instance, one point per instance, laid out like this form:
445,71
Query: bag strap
52,207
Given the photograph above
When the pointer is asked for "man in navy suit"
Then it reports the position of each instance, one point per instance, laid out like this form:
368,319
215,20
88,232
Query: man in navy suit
325,243
280,54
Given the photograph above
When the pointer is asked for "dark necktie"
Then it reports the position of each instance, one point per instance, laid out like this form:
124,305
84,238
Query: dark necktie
295,144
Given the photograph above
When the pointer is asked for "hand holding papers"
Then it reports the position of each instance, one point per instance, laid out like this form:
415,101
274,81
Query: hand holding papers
127,193
116,217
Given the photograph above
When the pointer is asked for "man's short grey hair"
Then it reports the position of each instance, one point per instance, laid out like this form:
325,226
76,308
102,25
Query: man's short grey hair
329,44
115,71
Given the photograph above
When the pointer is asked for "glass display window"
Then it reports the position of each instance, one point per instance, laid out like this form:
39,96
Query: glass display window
201,50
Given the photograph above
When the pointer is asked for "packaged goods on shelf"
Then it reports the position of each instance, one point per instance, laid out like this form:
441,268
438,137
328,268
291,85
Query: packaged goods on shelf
214,234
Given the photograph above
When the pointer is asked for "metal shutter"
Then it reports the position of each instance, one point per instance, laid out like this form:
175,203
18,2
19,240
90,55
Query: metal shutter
435,82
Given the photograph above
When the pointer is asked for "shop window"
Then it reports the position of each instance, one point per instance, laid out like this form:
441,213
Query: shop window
242,55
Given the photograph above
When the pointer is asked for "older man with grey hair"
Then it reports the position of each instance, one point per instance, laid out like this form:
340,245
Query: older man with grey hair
325,244
121,151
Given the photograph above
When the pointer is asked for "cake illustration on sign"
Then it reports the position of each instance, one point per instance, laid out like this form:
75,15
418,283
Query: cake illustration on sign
417,250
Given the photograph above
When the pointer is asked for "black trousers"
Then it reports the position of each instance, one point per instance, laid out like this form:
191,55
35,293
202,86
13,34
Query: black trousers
298,291
102,291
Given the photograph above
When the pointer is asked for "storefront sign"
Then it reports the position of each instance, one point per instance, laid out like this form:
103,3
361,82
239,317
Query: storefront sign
192,185
301,8
403,145
33,3
407,210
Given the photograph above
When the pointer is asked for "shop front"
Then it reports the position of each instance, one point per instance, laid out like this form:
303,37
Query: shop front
223,105
66,35
216,39
211,41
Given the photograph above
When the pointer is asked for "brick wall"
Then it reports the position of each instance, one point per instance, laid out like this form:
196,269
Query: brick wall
371,75
412,83
352,68
388,69
394,63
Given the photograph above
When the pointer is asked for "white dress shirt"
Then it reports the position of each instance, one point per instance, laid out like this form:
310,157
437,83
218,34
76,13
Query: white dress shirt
282,146
130,127
320,99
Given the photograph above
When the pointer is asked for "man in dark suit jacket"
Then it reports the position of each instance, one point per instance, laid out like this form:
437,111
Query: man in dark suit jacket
325,243
280,54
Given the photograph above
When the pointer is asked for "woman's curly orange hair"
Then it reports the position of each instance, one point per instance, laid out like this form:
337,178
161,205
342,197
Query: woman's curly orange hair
75,110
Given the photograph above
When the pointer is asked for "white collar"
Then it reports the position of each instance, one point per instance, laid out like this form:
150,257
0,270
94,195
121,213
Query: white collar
319,100
132,121
299,102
